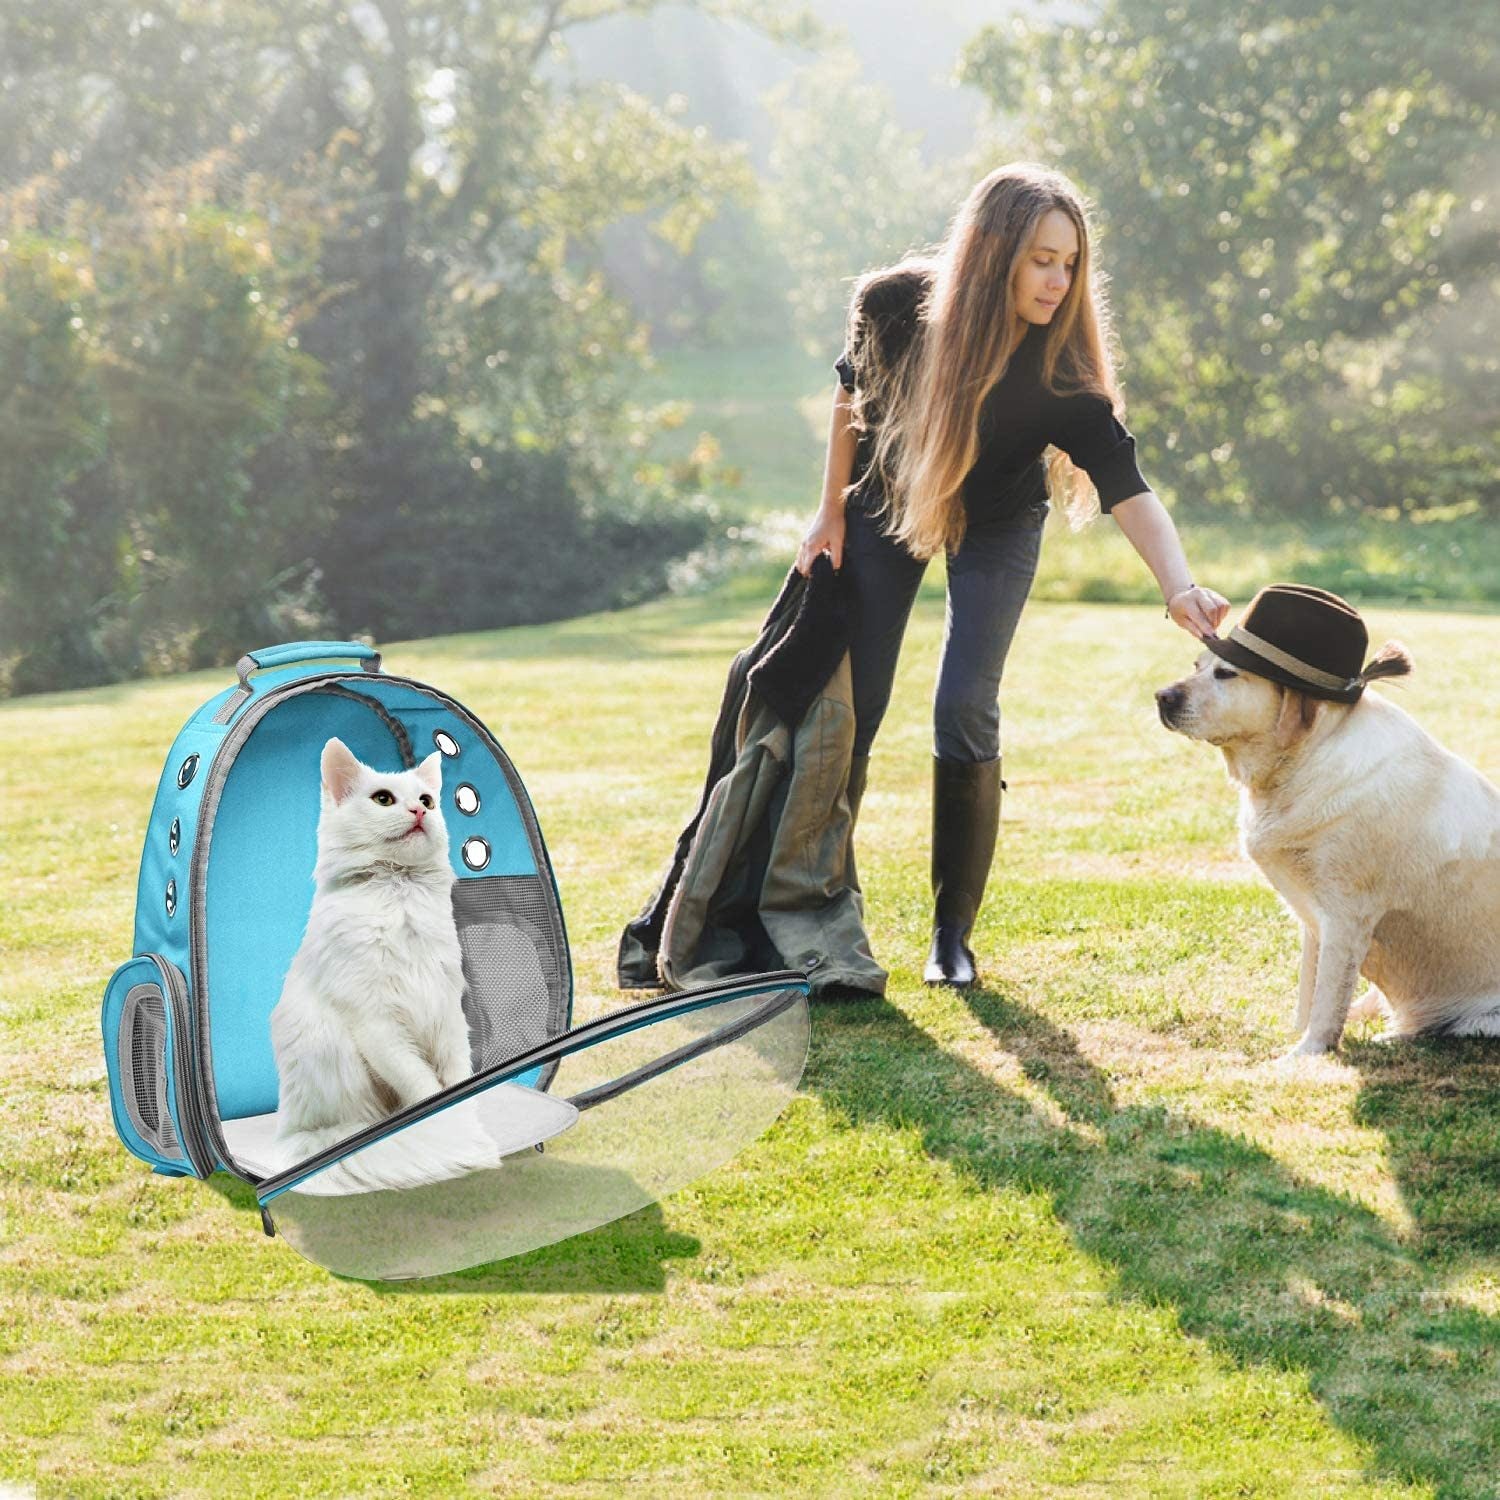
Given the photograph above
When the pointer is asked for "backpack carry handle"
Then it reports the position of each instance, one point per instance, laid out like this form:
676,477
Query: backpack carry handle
295,652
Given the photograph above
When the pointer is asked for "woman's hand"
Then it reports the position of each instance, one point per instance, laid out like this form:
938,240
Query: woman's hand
1144,520
1197,610
826,534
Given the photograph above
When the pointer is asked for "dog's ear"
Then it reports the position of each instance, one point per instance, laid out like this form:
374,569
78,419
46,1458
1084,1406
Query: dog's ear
1299,712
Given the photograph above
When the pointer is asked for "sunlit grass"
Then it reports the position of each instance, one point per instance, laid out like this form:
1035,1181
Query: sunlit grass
1072,1234
768,408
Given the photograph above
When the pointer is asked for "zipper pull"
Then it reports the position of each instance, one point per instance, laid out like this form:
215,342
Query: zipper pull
265,1222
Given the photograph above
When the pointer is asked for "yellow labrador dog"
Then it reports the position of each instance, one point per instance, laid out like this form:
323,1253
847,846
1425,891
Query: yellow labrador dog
1385,845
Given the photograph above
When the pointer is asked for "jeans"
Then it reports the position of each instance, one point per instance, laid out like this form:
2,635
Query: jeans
989,578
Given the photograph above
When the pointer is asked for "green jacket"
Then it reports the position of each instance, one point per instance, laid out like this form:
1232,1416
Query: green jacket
762,875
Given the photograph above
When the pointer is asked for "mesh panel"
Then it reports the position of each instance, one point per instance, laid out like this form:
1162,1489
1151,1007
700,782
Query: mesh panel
143,1039
515,995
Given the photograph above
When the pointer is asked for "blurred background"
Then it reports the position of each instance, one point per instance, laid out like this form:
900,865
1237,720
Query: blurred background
406,317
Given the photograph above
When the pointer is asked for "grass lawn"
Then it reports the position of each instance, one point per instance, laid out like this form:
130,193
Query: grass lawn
768,408
1073,1233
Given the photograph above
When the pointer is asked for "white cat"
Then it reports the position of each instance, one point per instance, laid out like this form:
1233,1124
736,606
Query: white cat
370,1018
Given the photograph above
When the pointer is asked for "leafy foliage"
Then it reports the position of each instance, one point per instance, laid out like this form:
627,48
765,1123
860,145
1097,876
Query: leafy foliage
346,263
62,514
849,189
1298,210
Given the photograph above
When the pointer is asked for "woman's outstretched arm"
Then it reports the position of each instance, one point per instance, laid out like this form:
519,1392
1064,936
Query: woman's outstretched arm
1145,521
826,534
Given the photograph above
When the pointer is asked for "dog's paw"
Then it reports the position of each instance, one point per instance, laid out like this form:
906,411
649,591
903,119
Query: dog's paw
1311,1046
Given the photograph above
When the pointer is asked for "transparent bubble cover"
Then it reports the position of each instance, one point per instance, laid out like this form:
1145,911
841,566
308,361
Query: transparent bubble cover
643,1101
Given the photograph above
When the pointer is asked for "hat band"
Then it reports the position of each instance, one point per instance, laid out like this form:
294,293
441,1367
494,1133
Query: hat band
1289,663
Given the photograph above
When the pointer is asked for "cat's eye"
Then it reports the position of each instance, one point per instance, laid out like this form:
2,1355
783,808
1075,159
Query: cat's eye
425,799
1223,674
383,797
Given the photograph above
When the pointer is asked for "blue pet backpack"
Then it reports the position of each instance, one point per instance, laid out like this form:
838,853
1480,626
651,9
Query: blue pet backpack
589,1122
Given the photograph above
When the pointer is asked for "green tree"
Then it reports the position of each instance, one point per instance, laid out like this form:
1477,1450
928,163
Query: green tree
454,192
848,189
63,517
1298,214
151,390
208,398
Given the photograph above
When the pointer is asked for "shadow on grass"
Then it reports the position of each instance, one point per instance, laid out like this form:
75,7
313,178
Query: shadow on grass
627,1255
1436,1104
1266,1268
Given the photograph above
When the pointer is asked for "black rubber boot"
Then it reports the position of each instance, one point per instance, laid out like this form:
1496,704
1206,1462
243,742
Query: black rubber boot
965,820
859,770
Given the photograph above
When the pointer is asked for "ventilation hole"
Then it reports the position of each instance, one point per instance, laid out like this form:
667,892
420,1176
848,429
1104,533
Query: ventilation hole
174,835
466,799
171,898
187,770
146,1040
476,853
445,742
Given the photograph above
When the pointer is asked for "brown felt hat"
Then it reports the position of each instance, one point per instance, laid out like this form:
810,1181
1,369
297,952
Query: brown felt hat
1301,637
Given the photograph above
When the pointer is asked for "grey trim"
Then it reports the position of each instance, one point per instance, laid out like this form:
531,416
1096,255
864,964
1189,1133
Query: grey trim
139,1015
242,695
386,717
187,1114
235,701
604,1092
218,771
244,692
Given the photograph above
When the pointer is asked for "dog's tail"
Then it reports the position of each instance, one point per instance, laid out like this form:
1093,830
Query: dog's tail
447,1144
1485,1023
1392,660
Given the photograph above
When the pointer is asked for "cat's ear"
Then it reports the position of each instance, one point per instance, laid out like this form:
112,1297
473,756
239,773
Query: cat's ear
430,772
340,769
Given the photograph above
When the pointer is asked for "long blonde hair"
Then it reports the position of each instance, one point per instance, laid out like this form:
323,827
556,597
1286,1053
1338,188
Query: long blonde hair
922,407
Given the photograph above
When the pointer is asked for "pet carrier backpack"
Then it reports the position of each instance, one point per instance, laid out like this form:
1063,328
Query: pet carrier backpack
590,1122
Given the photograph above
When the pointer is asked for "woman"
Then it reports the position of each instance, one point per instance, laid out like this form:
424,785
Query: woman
959,372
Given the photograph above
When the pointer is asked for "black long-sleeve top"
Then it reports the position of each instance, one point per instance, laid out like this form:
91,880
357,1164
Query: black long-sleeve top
1019,419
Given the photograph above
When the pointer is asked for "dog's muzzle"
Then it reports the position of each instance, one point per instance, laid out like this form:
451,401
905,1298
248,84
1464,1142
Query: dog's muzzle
1170,702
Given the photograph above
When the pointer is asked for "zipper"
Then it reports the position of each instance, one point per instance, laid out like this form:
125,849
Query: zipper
589,1033
195,1145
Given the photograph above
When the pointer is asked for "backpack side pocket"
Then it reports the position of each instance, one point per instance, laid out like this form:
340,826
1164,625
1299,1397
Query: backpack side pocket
146,1054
